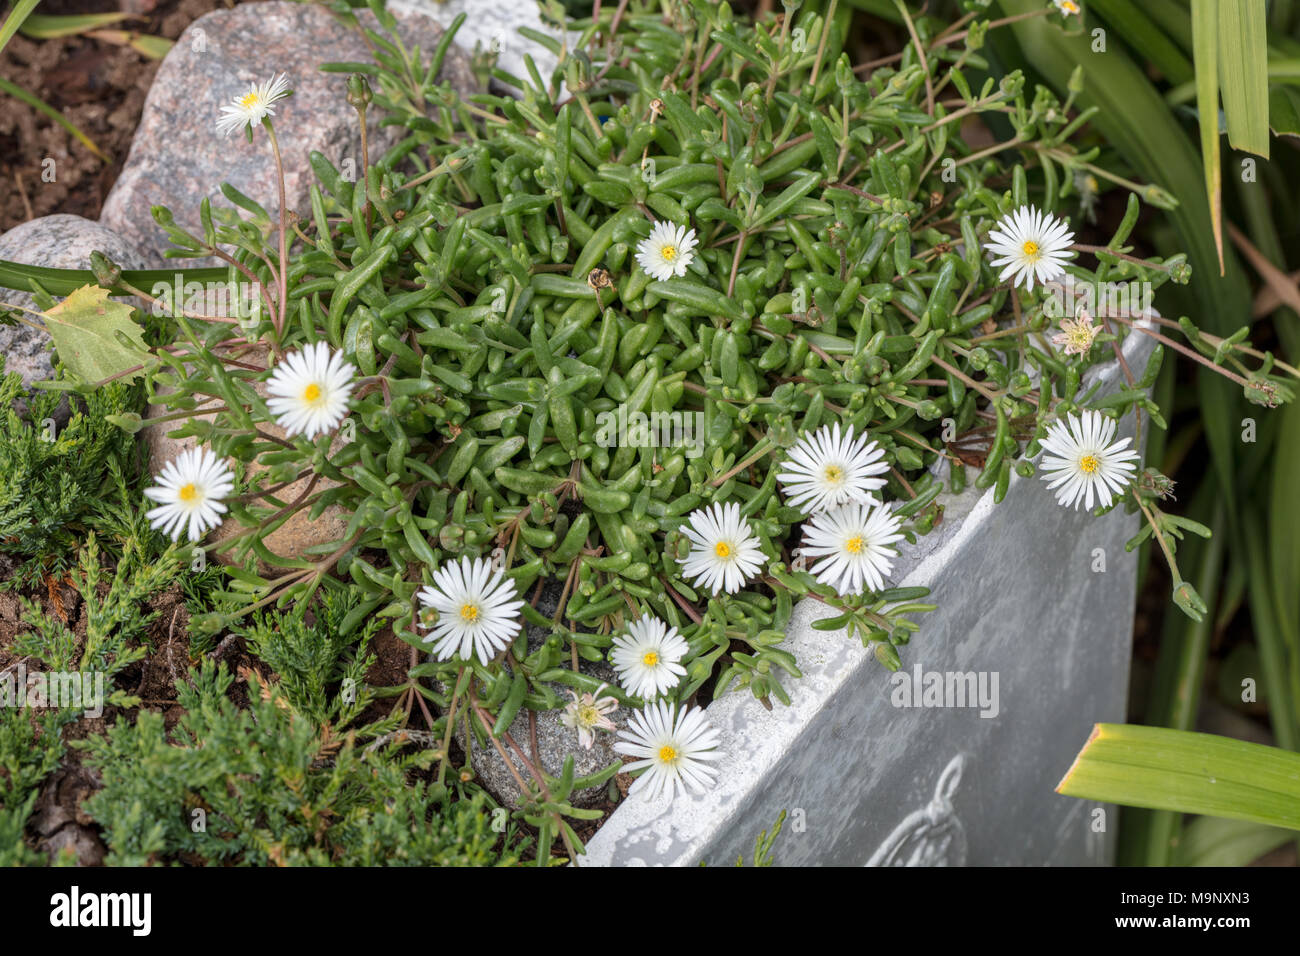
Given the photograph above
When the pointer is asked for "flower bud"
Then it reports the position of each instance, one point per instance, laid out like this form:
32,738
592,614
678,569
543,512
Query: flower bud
1189,601
359,94
107,272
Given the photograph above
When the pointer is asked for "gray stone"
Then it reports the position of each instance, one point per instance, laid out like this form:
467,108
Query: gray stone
56,242
866,782
494,27
177,156
555,742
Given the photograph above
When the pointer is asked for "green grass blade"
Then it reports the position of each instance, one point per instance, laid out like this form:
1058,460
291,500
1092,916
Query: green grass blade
1172,18
1213,841
61,282
1148,39
21,11
44,27
1205,40
1187,772
1243,74
1284,545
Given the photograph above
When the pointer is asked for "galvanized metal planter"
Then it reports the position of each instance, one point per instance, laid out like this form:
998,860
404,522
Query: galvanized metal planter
906,769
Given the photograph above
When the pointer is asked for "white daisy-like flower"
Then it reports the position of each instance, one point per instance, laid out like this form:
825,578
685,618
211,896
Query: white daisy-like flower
1082,463
668,250
478,610
853,545
589,713
189,492
309,390
254,105
674,747
826,469
647,657
1077,334
1031,245
724,552
1066,8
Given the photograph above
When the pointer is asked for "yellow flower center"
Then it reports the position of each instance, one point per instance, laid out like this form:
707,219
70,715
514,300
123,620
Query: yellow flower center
188,493
311,393
249,100
1069,6
469,613
588,715
668,754
854,545
722,549
834,474
650,658
1089,464
668,253
1030,249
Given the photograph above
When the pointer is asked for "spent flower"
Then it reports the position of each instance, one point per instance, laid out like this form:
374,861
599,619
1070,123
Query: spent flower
588,713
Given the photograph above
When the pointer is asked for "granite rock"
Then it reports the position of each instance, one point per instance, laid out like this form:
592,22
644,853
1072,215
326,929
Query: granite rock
555,742
56,242
177,156
493,27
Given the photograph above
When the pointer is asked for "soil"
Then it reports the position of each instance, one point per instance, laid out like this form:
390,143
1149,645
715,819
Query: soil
99,86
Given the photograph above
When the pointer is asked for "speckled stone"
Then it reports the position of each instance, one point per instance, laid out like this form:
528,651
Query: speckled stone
493,26
177,156
555,742
56,242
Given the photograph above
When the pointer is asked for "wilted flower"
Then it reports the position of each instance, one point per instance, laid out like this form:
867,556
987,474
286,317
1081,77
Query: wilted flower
588,713
1077,334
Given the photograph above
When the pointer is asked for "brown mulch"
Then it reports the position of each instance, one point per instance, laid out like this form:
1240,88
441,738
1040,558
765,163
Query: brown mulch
99,86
